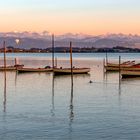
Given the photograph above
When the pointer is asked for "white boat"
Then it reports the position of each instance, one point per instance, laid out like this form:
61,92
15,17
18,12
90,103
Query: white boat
65,71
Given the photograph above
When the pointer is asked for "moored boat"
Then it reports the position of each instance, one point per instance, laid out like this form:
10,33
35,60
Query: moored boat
123,66
11,68
65,71
130,68
25,70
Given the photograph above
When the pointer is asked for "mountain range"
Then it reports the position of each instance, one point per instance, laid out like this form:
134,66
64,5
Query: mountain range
43,40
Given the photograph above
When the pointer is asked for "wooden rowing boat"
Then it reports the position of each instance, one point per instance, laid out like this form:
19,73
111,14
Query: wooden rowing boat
11,68
8,68
65,71
131,68
124,64
25,70
130,74
134,67
128,65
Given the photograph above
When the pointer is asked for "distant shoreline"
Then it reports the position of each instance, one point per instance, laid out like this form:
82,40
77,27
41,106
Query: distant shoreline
117,49
68,52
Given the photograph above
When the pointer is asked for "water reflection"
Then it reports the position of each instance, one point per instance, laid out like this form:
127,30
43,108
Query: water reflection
131,80
71,101
16,74
119,87
107,76
71,104
110,75
74,76
53,107
71,107
4,100
119,92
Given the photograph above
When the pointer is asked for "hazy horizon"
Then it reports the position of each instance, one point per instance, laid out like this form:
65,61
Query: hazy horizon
67,33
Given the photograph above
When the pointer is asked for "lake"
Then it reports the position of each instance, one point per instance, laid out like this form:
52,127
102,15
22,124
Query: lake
38,106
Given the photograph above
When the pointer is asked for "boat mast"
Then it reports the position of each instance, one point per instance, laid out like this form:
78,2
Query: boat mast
53,51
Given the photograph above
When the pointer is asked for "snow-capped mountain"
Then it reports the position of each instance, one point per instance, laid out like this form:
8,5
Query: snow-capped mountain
43,40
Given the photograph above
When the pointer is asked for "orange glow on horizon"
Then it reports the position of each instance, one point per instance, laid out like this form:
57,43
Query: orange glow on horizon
85,24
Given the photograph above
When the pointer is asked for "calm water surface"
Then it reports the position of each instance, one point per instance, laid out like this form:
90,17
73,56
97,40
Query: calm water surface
38,106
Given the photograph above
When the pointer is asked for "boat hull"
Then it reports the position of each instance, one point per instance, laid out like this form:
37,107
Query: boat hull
130,74
11,68
67,71
117,67
26,70
130,68
8,69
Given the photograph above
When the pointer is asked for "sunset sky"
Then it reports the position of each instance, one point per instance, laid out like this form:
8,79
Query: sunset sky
75,16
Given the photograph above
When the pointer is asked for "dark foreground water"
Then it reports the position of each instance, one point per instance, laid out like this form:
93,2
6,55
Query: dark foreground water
38,106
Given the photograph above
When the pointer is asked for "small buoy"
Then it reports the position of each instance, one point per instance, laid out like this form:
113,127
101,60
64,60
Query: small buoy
90,81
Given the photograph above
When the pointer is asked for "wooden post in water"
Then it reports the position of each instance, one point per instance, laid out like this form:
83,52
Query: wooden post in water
71,62
4,46
53,51
15,61
4,102
71,101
